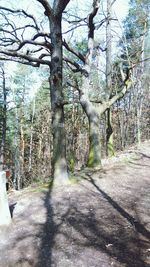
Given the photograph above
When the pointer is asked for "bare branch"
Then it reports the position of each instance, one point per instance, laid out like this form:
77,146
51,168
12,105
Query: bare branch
91,29
11,36
73,63
48,10
30,42
21,11
74,28
75,21
19,61
100,23
113,2
120,94
70,49
41,34
91,17
22,56
43,55
140,61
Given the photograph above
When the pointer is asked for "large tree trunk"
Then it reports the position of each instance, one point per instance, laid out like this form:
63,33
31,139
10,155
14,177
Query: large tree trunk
94,157
59,164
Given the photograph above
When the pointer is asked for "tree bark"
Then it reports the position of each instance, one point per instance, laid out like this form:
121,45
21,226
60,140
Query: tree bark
94,156
109,133
31,138
109,129
4,110
22,153
59,163
141,81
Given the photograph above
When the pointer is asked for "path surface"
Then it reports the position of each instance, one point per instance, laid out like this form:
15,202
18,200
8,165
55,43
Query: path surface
102,221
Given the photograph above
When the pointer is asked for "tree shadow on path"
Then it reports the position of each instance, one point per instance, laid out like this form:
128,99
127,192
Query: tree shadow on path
114,232
49,231
138,226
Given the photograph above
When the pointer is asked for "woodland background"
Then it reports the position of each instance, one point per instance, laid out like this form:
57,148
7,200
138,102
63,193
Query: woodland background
119,54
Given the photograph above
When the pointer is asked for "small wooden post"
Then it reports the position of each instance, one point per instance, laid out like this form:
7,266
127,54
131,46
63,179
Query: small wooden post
5,216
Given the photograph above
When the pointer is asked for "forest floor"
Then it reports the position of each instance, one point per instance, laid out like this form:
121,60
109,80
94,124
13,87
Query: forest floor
101,221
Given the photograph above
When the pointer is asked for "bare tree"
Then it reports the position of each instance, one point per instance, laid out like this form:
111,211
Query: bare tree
89,106
41,49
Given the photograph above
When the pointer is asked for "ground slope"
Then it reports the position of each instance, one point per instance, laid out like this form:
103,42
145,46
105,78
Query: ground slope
102,221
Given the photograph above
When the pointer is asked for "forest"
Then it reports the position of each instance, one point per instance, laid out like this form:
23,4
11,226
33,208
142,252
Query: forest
81,92
74,92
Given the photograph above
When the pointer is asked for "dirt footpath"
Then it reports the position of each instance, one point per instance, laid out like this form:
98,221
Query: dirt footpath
102,221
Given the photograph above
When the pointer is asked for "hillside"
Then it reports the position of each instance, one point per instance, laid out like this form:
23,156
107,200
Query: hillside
102,220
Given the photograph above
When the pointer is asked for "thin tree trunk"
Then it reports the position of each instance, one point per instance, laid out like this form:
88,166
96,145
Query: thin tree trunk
17,174
139,112
109,134
31,138
22,152
140,100
17,171
4,110
109,129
